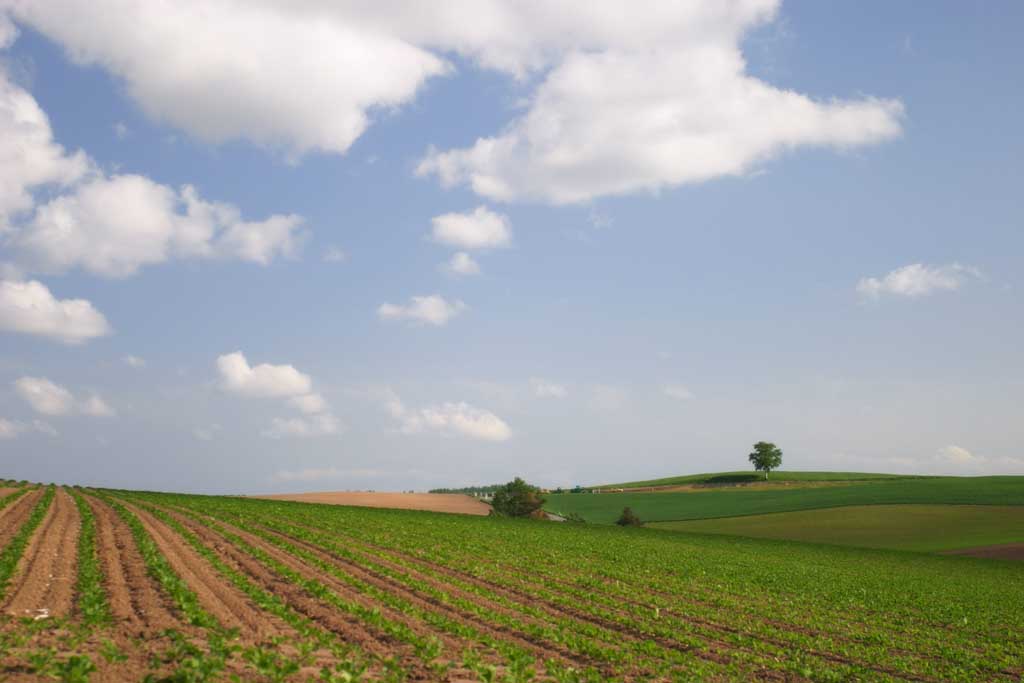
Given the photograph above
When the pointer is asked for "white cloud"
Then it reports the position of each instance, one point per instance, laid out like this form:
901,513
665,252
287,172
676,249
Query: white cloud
477,229
432,310
264,380
30,308
678,392
134,361
96,407
10,429
917,280
44,396
114,226
450,419
335,255
110,225
281,382
309,403
29,157
307,83
633,112
461,263
49,398
957,455
542,388
315,425
121,130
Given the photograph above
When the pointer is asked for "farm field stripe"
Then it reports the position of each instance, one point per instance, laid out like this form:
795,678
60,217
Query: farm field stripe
92,604
437,599
45,577
308,577
301,570
12,552
271,601
134,595
16,513
229,607
825,655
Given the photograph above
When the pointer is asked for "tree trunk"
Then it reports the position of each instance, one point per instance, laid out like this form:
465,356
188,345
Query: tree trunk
766,475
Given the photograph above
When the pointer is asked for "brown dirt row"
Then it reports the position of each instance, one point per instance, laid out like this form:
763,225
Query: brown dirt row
43,583
225,602
15,514
435,502
7,490
136,601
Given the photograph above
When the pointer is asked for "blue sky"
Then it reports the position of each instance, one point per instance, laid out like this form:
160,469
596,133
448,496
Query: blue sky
281,246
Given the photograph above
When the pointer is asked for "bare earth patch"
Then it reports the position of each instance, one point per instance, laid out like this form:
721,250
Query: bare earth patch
434,502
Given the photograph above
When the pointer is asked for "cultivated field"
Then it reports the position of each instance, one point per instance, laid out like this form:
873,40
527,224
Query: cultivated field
435,502
924,528
604,508
195,588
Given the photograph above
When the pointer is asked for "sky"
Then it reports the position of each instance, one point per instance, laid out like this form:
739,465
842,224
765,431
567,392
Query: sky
279,246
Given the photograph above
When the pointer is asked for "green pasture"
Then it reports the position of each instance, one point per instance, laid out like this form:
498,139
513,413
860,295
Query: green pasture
751,476
604,508
925,528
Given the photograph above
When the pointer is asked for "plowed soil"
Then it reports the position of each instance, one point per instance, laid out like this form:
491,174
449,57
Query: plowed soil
434,502
45,578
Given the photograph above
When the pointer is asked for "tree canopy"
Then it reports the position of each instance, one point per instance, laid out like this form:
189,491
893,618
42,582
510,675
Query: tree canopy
517,499
766,457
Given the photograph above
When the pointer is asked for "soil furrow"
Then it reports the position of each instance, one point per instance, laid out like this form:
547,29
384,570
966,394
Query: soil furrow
231,607
43,584
15,514
135,598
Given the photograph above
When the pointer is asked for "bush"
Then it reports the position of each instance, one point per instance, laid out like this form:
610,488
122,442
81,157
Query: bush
517,499
628,518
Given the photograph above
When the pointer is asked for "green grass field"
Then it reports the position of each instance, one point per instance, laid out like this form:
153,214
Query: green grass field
748,476
651,507
924,528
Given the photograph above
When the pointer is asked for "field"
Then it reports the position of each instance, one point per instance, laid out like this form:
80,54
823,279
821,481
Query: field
605,508
436,502
196,588
924,528
749,476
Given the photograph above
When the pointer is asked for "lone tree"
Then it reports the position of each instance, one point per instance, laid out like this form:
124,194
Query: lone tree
766,457
628,518
517,499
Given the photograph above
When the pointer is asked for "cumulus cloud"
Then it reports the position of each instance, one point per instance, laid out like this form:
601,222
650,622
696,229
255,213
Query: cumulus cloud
305,84
30,308
315,425
619,114
431,310
29,157
279,382
110,225
134,361
461,263
113,226
917,280
961,458
263,381
678,392
10,429
476,229
96,407
543,388
450,419
49,398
